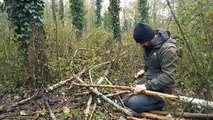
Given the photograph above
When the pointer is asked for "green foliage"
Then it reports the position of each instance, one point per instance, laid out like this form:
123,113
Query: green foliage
114,10
125,26
107,21
143,10
1,7
61,10
54,10
195,20
24,14
78,13
98,12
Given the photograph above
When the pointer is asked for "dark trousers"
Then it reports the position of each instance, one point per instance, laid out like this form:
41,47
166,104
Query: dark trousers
142,103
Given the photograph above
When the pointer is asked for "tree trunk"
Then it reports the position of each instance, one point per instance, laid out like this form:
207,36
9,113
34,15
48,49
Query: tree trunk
154,12
36,62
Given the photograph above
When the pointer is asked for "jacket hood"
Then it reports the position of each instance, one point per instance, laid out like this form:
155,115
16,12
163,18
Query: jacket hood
162,36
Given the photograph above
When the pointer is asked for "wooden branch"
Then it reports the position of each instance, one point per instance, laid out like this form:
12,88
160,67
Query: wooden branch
148,92
36,95
93,110
87,110
156,94
123,110
13,106
185,114
71,63
196,101
154,116
134,118
61,83
96,66
49,108
81,94
118,93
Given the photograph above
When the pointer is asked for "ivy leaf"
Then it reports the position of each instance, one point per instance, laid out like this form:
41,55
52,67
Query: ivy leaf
20,15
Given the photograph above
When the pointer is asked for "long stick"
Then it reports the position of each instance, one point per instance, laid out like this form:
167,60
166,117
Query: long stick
134,118
13,106
154,116
52,115
125,111
61,83
148,92
184,114
36,95
157,94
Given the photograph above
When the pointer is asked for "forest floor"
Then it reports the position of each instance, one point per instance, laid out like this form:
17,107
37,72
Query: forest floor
66,103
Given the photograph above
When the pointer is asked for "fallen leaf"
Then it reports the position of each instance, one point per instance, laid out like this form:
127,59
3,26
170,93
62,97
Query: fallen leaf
43,112
22,112
66,110
16,97
1,107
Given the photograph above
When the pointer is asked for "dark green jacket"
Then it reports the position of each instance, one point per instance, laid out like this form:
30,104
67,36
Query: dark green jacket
160,64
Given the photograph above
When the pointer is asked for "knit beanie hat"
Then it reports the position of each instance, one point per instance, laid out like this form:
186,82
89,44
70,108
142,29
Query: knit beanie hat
143,32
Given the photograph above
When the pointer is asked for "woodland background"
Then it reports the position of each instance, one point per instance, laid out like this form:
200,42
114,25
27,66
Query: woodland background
44,42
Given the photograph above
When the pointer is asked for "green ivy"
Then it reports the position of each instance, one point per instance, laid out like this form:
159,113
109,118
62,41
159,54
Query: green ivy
98,12
78,13
61,10
24,15
143,10
107,21
114,10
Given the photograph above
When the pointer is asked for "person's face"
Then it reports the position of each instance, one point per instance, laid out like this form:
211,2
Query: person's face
147,44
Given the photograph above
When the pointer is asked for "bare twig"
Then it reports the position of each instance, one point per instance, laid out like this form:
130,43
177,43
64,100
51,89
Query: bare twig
81,94
154,116
118,93
71,63
36,95
13,106
63,82
107,80
87,110
125,111
134,118
96,66
93,110
49,109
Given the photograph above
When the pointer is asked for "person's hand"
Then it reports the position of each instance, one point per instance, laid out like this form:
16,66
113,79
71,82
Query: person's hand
138,74
139,88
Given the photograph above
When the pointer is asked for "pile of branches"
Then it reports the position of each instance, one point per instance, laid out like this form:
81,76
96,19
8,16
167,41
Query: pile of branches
76,80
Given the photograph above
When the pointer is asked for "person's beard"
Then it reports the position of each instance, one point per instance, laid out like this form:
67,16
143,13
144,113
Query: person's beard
149,47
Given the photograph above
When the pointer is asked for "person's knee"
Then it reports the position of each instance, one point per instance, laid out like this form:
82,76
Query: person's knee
142,103
134,104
